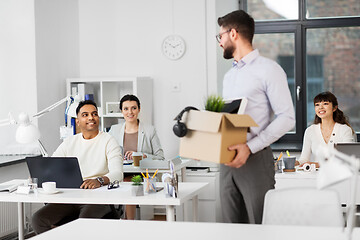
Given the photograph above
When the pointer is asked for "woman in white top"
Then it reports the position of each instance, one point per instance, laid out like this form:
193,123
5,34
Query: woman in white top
330,126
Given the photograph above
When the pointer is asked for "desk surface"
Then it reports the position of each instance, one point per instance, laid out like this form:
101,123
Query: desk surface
6,160
158,230
308,179
133,169
121,195
297,175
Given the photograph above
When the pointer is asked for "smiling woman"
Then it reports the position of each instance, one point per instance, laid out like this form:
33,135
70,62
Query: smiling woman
330,126
134,136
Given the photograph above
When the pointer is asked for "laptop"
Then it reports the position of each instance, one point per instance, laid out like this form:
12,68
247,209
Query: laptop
236,106
349,148
65,171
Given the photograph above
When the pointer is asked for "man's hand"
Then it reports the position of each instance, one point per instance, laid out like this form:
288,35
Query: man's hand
90,184
242,154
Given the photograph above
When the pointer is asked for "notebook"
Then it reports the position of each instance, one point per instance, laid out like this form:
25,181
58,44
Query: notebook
65,171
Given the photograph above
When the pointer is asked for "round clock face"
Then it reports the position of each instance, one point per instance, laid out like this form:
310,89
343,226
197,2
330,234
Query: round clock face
173,47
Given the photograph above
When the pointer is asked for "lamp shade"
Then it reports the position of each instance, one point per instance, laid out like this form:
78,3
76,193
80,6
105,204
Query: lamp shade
26,132
331,172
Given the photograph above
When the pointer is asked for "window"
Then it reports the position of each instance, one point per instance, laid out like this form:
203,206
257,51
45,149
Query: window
317,44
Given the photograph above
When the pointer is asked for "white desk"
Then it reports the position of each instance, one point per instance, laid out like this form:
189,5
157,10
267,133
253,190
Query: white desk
157,230
179,167
308,179
121,195
6,160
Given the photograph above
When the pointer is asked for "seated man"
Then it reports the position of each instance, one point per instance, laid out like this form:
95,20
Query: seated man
100,162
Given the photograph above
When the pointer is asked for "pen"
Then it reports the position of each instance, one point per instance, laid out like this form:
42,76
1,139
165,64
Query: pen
287,152
155,173
279,156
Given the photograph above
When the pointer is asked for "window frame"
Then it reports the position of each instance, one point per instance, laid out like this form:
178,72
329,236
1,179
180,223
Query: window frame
293,141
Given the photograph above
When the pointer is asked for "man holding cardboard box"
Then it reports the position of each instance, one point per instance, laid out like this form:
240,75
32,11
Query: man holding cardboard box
245,180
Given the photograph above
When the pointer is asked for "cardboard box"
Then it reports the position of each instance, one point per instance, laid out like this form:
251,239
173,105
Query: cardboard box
210,134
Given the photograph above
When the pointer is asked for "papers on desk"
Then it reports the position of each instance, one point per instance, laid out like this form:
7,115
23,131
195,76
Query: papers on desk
9,187
128,162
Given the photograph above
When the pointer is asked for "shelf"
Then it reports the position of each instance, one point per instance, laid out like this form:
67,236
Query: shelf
107,93
115,115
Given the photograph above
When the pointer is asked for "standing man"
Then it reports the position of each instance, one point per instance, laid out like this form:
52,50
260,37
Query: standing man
100,163
245,180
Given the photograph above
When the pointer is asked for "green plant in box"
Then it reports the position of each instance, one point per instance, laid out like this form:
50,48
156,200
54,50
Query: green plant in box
214,103
136,180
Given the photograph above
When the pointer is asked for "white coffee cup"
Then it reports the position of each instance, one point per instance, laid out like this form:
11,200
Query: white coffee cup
49,187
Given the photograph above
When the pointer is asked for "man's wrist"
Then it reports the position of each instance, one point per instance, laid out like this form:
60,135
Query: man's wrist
100,180
247,146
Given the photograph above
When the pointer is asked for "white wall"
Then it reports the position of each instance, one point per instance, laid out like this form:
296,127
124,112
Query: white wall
123,38
57,57
91,38
17,64
223,7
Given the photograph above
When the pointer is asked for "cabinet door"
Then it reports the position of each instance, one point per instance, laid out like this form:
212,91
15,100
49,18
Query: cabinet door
209,192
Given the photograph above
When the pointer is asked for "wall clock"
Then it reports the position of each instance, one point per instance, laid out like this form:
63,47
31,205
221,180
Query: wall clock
173,47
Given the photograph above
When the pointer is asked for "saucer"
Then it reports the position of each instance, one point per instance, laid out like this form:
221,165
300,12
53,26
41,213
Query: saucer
43,192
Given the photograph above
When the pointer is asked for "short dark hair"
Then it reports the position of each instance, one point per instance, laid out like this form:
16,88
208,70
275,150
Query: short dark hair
83,103
242,22
129,97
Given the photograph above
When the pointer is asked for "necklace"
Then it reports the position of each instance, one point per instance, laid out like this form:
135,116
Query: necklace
326,133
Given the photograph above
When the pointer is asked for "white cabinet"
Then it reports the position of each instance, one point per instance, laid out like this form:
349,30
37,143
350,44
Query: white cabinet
209,198
107,93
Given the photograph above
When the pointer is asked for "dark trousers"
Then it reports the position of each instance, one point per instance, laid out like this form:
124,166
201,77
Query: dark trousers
242,190
51,214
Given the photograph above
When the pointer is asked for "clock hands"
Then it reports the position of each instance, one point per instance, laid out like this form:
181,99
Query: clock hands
174,46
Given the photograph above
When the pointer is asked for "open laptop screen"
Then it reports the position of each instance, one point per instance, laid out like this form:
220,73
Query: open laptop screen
349,148
236,106
65,171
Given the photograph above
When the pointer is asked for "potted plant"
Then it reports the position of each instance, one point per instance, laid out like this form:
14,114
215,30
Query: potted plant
214,103
137,186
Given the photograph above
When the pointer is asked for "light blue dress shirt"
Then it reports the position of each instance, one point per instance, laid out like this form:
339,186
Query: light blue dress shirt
263,82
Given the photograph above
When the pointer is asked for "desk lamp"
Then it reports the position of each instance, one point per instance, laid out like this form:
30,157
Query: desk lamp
337,167
27,132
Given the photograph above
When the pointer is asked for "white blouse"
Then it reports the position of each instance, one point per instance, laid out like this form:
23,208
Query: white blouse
314,139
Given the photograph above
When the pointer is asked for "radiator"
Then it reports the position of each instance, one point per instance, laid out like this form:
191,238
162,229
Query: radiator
8,218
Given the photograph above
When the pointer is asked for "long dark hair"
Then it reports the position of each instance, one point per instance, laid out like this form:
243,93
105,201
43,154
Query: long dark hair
338,115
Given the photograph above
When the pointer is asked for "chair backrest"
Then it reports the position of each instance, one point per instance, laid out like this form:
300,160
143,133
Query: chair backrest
302,206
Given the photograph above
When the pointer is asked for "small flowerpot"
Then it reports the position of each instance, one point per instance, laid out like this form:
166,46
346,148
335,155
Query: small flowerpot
137,190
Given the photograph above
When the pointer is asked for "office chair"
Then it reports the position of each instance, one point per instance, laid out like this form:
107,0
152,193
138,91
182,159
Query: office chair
302,206
115,213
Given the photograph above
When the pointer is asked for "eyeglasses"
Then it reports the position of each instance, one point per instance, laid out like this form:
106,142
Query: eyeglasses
114,184
219,36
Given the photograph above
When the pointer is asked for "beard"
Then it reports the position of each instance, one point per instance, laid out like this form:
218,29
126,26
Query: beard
229,52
